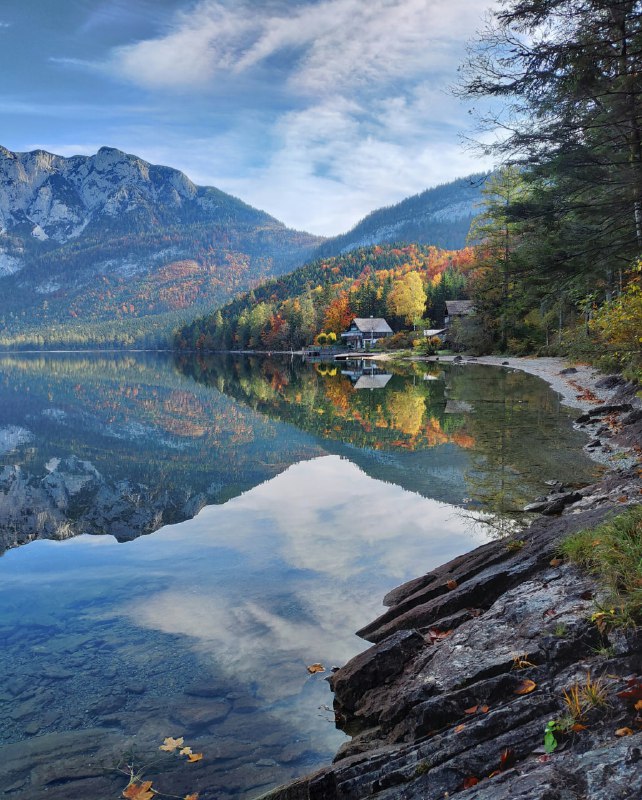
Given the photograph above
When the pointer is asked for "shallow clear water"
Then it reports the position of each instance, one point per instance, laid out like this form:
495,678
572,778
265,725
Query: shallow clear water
282,501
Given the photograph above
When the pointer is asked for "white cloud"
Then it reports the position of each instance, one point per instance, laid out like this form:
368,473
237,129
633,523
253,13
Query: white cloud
326,46
337,161
317,112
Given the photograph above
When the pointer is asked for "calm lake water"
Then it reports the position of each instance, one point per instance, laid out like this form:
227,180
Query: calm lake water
281,501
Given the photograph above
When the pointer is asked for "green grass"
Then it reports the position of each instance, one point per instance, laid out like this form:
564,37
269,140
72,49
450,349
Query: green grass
613,553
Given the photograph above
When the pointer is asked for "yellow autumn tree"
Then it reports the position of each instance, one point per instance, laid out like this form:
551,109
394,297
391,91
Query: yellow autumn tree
407,298
619,323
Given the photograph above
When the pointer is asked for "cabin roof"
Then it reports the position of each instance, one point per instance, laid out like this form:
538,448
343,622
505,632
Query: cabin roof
372,325
461,308
372,381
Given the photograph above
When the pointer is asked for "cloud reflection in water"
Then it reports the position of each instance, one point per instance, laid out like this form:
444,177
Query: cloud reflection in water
283,575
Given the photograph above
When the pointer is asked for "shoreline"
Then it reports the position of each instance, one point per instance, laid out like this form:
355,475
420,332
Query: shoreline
434,707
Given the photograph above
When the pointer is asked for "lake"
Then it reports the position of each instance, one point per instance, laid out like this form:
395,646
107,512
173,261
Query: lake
182,537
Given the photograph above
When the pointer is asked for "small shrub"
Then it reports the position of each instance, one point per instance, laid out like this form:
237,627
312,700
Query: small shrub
613,553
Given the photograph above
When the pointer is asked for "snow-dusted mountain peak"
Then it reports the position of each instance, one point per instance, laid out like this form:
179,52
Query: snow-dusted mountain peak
58,198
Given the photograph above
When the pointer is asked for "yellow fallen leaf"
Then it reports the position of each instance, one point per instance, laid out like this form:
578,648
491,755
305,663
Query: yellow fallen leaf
186,751
624,732
315,668
170,744
139,791
526,687
191,796
192,757
459,728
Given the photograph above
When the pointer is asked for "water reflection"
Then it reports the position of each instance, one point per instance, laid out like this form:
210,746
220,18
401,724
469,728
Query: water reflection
474,436
206,628
319,488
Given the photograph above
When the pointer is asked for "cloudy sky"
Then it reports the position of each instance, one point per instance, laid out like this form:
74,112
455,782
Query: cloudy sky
317,111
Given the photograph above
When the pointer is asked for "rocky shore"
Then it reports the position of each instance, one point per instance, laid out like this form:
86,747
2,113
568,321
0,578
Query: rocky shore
470,662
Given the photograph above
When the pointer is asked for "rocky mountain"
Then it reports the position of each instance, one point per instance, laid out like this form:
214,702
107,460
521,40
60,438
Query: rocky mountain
440,216
90,243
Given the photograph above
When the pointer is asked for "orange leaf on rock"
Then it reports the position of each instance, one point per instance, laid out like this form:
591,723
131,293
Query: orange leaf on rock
471,710
192,757
484,709
470,782
526,687
139,791
633,689
459,728
451,584
555,562
577,727
624,732
191,796
315,668
638,705
435,635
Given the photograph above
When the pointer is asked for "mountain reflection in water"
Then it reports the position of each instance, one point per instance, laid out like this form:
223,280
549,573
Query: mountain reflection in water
316,496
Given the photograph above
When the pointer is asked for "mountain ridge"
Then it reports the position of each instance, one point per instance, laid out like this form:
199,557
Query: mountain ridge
96,241
439,216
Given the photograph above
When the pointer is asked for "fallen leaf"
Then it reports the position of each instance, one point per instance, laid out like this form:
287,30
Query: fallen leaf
471,710
192,757
638,705
507,759
170,744
139,791
315,668
459,728
623,498
435,635
186,751
577,727
451,584
191,796
526,687
484,709
624,732
470,782
495,773
544,759
633,689
555,562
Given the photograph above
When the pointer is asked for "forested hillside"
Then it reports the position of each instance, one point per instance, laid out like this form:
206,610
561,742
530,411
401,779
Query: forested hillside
440,216
403,283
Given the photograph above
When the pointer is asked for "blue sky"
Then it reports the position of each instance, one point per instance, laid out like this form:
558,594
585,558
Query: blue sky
317,111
